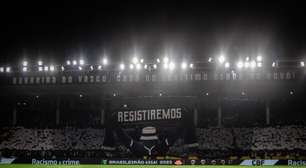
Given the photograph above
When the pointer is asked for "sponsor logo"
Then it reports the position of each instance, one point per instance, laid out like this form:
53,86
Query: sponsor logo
258,162
178,162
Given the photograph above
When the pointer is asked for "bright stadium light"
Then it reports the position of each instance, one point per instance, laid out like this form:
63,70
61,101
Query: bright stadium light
52,68
227,65
191,66
81,62
155,66
40,69
166,66
99,67
184,65
259,58
46,68
62,68
157,60
221,59
138,66
131,66
259,64
80,68
8,69
246,64
141,60
68,62
121,66
240,64
247,58
273,64
135,60
209,59
166,60
91,67
145,66
24,69
1,69
40,63
253,64
104,61
171,66
302,63
74,62
25,63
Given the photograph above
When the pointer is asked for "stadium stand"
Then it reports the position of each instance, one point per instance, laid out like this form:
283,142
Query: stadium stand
253,142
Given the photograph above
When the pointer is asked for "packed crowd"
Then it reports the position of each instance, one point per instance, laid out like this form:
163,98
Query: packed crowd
256,139
19,138
213,142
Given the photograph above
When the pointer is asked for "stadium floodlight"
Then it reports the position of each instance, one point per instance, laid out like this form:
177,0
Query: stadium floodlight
80,68
74,62
259,64
131,66
25,63
91,67
302,63
273,64
141,60
247,58
221,59
138,66
121,66
99,67
81,62
24,69
1,69
155,66
40,63
135,60
68,62
190,65
104,61
81,95
166,60
46,68
291,92
62,68
209,59
227,65
8,69
184,65
253,64
166,66
171,66
40,68
158,60
240,64
246,64
145,66
259,58
52,68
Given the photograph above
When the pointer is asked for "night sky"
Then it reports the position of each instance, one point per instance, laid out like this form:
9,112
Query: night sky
56,31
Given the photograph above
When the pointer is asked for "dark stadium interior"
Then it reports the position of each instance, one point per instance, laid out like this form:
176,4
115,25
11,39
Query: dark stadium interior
186,81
